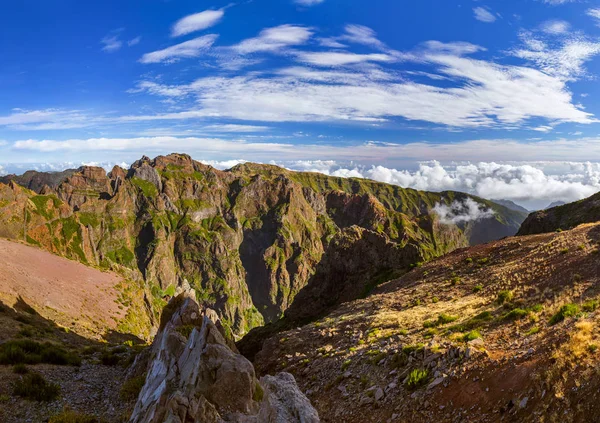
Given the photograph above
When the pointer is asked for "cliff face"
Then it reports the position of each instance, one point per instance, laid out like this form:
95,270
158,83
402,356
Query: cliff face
248,239
562,217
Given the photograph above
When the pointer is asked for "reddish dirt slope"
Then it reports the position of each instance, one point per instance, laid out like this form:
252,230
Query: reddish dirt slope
62,290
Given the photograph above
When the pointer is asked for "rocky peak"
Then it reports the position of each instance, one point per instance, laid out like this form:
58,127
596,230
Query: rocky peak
194,376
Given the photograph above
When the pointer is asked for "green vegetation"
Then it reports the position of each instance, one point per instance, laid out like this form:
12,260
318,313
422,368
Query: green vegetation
25,351
516,314
590,305
131,388
532,331
441,320
34,387
474,334
417,378
504,297
148,188
568,310
123,256
20,369
69,416
258,393
346,364
477,288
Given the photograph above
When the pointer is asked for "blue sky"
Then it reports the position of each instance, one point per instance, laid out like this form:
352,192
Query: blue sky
330,85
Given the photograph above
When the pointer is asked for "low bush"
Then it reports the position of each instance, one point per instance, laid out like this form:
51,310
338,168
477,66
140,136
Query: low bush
20,369
25,351
474,334
34,387
516,314
69,416
417,378
568,310
504,297
131,388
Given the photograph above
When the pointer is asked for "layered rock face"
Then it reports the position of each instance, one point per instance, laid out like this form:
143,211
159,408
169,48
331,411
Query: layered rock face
248,239
194,376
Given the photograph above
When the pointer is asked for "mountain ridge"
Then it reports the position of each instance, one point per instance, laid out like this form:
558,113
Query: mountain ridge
249,238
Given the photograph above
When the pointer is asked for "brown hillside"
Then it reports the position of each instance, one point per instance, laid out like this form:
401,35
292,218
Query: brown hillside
65,291
482,324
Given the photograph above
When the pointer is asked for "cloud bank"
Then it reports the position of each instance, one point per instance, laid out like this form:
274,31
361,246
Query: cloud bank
460,212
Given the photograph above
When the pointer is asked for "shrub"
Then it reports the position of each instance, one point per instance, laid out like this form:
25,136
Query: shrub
69,416
441,320
131,388
20,369
346,364
564,251
590,306
568,310
516,314
109,358
417,378
33,386
504,297
30,352
532,331
477,288
592,348
474,334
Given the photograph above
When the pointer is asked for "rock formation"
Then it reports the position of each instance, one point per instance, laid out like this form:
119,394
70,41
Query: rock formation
194,376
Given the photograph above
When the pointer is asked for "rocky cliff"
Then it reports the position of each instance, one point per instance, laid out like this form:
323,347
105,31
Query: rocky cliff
248,239
562,217
193,375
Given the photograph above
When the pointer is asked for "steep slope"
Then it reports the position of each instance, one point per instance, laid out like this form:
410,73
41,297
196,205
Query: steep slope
506,331
75,296
562,217
248,239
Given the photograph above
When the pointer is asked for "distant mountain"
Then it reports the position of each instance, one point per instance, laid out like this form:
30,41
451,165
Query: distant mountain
555,204
248,239
36,181
511,205
562,217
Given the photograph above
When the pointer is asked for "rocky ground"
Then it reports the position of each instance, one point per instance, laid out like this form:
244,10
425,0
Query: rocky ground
480,335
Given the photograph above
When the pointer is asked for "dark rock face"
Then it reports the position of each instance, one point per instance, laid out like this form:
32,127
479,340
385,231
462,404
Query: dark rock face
36,181
248,239
562,217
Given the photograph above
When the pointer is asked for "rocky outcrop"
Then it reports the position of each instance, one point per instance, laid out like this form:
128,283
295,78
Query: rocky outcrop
194,376
562,217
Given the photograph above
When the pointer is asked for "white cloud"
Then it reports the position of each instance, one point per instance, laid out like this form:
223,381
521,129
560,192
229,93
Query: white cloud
2,171
134,41
111,43
334,58
197,22
594,13
187,49
235,128
556,27
460,212
557,2
46,119
486,95
361,34
484,15
308,2
274,39
564,59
